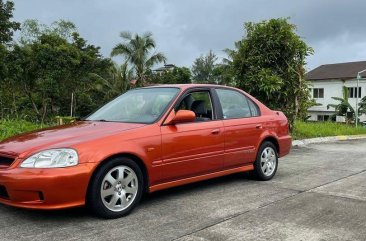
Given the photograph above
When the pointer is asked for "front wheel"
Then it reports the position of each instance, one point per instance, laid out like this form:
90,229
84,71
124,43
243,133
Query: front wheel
266,163
116,188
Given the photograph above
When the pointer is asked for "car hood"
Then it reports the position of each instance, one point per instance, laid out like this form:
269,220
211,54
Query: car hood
62,136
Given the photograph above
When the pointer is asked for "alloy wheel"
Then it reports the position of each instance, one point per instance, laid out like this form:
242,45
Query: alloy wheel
119,188
268,161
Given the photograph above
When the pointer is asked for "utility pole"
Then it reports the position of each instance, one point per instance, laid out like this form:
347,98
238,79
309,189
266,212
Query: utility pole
72,103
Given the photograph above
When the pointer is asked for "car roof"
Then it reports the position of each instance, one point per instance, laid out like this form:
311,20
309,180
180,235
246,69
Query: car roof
186,86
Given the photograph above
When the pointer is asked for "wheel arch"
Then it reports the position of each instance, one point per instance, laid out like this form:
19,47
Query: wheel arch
273,140
133,157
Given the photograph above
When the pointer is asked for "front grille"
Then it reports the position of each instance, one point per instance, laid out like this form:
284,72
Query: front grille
3,193
6,161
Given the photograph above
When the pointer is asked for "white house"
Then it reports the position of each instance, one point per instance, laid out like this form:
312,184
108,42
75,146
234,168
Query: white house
327,81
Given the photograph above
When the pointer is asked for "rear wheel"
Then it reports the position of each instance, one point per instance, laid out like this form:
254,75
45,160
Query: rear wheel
266,163
116,188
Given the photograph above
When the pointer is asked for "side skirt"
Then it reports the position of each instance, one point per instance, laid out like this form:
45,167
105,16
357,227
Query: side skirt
199,178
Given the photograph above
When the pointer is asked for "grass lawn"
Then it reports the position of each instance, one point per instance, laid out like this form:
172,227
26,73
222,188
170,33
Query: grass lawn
304,130
12,127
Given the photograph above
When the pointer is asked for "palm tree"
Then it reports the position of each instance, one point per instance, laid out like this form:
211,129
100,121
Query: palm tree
231,53
116,82
137,50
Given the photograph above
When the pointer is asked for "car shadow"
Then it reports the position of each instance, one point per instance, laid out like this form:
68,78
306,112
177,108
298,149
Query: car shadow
197,186
82,213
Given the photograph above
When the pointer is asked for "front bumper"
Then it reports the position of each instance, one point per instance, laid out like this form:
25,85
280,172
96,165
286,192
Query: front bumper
53,188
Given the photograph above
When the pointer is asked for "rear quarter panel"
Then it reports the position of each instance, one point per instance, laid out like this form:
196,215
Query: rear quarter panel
275,125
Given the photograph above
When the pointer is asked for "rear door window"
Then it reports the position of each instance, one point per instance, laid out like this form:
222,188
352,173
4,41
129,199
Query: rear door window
236,105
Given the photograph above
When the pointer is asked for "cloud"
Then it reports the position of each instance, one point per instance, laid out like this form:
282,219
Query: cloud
186,29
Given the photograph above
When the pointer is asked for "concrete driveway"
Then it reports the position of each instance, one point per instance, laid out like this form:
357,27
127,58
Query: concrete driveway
319,193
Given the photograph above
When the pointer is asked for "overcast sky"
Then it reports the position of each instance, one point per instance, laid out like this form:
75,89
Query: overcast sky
185,29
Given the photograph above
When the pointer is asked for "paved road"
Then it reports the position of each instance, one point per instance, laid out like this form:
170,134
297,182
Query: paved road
319,193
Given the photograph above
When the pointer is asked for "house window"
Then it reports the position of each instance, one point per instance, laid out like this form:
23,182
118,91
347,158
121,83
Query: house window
323,117
318,93
353,92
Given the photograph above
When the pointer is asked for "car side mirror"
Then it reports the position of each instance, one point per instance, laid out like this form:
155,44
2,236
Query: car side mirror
182,116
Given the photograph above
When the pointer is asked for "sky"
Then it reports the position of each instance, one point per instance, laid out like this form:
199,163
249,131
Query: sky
186,29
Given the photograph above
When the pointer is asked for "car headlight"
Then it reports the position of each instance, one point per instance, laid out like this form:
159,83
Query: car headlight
53,158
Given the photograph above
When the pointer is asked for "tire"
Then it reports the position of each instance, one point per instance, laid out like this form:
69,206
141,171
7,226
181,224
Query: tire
266,163
115,189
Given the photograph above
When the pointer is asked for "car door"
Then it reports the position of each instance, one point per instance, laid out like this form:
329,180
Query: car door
242,127
194,148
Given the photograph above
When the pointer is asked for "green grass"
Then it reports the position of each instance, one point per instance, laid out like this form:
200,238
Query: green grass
304,130
13,127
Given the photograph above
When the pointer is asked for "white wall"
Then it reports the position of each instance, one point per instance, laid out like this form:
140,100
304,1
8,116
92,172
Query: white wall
333,88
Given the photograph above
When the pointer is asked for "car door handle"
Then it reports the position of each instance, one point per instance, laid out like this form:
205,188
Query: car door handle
215,132
259,126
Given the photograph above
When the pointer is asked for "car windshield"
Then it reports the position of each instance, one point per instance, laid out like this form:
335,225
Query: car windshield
136,106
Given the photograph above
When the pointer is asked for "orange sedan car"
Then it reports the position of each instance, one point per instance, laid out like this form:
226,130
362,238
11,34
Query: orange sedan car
145,140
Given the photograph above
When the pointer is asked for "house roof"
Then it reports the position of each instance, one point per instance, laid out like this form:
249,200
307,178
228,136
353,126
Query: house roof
337,71
165,67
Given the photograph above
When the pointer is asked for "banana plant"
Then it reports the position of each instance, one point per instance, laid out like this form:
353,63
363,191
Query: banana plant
344,108
362,104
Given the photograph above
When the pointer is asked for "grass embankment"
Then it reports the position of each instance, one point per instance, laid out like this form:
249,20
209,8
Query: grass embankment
13,127
304,130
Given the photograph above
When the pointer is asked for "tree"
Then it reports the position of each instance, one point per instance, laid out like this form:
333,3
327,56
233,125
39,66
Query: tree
6,92
269,64
225,71
139,52
115,82
7,27
32,30
182,75
203,69
3,53
179,75
46,72
224,75
91,62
